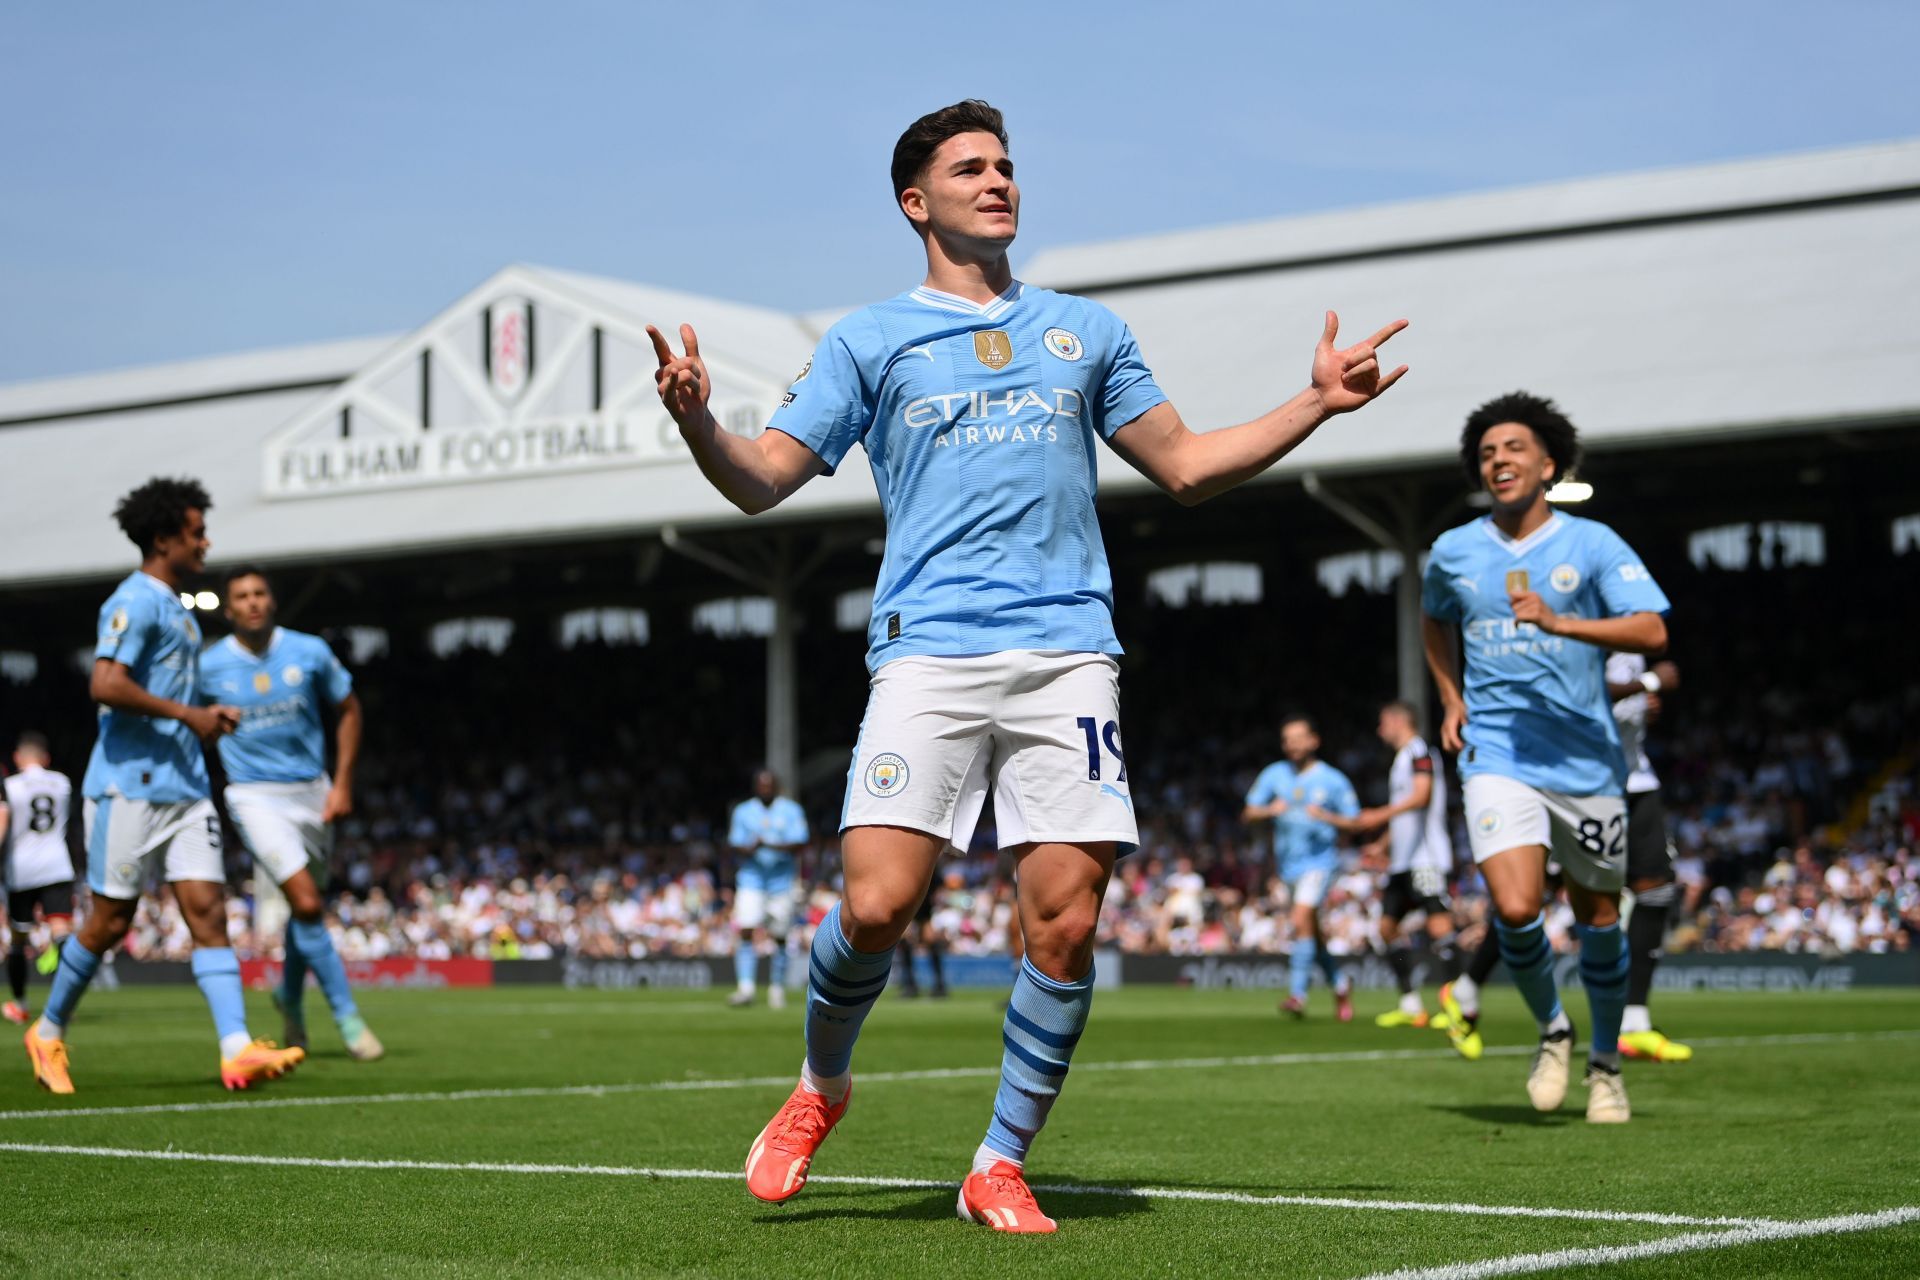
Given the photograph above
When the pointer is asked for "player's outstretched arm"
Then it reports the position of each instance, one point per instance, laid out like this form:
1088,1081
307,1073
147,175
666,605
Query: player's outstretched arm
754,475
1442,642
1194,466
112,685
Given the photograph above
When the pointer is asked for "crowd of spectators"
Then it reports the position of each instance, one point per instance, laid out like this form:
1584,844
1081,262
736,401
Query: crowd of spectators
504,808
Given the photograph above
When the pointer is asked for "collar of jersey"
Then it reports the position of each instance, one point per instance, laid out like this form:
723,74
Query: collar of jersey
1520,546
165,590
273,642
967,307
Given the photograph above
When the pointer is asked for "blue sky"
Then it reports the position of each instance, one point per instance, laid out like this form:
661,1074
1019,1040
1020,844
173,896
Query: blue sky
202,178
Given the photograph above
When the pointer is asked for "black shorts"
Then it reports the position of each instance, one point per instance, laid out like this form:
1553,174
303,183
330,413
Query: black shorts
53,899
1411,891
1649,850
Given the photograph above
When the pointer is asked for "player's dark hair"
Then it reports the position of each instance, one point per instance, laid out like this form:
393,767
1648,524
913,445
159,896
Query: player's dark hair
1555,431
1298,717
159,508
35,743
239,571
924,136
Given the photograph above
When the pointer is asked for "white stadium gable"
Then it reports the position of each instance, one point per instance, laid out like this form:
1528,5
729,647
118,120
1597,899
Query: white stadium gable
1726,301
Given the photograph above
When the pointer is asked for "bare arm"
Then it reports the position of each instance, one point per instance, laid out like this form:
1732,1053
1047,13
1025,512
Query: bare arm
1261,812
1345,826
346,754
112,685
1631,633
1192,467
1442,640
754,475
1416,800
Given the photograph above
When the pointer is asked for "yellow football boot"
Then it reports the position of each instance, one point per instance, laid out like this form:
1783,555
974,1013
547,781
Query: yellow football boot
1653,1046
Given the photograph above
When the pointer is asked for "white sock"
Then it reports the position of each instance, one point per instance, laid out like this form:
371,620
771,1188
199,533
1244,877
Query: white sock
1466,992
47,1031
1410,1003
1636,1018
832,1088
985,1157
744,988
1561,1022
232,1046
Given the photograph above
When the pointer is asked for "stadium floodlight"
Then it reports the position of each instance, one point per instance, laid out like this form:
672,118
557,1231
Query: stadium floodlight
1570,491
206,602
186,599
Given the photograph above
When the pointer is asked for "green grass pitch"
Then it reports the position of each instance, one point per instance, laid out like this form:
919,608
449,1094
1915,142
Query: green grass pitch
1797,1108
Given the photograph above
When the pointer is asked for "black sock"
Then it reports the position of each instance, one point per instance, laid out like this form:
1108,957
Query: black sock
937,957
17,969
1447,951
1646,931
904,950
1480,968
1400,957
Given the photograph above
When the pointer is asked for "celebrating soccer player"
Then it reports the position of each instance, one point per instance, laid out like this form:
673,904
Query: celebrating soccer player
146,788
1309,803
34,823
279,794
767,830
1540,597
979,401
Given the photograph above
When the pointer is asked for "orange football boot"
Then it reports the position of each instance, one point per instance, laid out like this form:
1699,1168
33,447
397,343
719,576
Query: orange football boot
1001,1199
777,1162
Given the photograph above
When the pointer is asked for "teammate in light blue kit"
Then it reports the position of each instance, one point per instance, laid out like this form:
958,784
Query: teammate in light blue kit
766,833
1297,794
278,792
981,403
1541,597
146,788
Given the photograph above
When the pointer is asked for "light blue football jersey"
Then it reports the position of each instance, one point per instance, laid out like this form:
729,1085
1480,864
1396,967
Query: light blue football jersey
280,693
782,822
1300,840
144,625
1537,707
980,423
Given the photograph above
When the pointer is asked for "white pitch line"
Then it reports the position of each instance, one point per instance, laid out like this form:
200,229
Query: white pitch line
885,1077
1692,1242
728,1175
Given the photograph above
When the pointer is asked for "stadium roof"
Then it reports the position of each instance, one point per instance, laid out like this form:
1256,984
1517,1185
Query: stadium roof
1767,296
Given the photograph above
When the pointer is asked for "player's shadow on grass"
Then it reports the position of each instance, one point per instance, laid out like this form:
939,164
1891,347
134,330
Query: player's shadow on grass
1507,1113
930,1206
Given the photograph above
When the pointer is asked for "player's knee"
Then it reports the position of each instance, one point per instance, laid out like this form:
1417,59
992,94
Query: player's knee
1516,910
875,918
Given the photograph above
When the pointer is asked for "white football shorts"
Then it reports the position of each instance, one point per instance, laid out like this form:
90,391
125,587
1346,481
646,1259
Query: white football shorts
769,909
127,838
1040,728
281,824
1585,835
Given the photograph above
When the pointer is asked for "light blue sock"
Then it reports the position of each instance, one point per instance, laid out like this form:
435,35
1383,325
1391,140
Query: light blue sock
743,962
70,979
218,973
1300,966
1329,965
1530,960
777,964
293,976
1603,972
842,985
315,944
1044,1022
